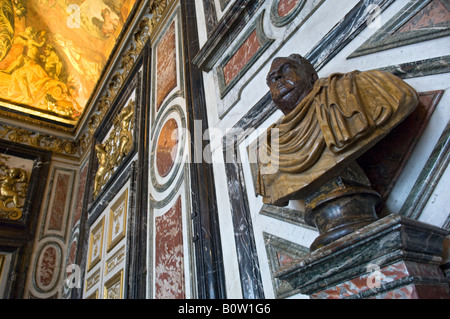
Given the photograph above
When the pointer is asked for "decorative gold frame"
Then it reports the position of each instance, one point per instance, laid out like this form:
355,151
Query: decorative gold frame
93,295
114,260
96,259
112,282
122,201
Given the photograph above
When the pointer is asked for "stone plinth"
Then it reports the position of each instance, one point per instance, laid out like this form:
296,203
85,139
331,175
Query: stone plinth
394,257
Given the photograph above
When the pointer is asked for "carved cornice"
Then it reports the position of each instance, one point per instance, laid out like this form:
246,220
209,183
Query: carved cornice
43,141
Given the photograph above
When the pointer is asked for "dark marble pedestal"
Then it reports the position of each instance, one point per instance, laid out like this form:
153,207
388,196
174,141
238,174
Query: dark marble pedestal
394,257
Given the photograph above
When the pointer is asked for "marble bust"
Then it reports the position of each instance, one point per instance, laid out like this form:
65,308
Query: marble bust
327,124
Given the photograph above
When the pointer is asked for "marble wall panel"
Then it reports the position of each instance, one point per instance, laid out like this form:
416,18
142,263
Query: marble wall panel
52,244
435,12
418,21
283,11
286,6
244,53
168,236
167,147
169,256
60,200
75,224
281,252
242,56
48,267
57,210
80,194
166,73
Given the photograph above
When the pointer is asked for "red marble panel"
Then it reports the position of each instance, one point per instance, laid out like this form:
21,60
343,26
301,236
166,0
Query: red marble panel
72,252
384,162
388,274
169,257
435,12
59,202
166,71
284,259
167,147
286,6
80,194
241,57
47,266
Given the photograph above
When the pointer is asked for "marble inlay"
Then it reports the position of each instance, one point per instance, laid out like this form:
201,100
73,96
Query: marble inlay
48,267
169,259
419,20
241,57
80,194
435,12
167,147
166,71
59,202
286,6
48,263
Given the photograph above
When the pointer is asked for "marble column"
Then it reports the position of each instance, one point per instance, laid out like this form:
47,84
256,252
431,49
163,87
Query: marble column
391,258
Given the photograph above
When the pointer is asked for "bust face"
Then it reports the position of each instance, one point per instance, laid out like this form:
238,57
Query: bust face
289,83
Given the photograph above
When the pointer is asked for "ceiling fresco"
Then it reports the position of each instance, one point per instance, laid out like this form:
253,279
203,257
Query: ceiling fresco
52,53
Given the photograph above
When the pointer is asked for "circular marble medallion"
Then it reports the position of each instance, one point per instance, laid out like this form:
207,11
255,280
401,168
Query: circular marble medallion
167,147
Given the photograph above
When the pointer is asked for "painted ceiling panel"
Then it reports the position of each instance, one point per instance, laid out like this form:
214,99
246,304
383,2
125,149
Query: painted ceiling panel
52,53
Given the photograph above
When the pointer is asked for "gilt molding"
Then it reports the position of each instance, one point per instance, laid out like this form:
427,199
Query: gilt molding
47,142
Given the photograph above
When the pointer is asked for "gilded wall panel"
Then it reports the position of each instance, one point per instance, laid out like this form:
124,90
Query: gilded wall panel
107,250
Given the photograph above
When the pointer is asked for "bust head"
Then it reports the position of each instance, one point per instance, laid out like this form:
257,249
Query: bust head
290,80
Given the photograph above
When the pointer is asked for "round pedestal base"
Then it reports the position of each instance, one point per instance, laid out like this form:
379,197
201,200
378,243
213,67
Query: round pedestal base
337,214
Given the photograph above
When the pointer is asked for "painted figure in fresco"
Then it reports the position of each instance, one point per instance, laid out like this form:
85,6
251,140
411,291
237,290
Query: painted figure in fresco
20,8
6,28
101,18
108,25
85,64
25,70
52,63
326,122
37,77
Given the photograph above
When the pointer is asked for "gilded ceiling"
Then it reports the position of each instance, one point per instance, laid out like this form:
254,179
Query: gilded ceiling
53,52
